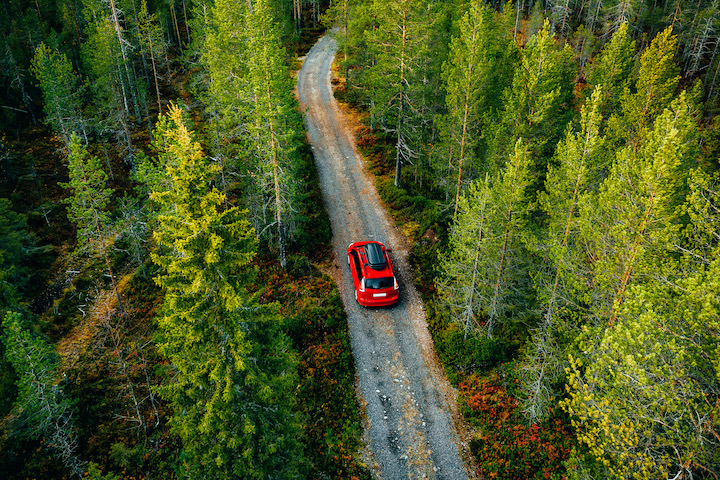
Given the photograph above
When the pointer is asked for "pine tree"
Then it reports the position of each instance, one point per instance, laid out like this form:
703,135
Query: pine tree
61,90
233,388
102,58
635,217
483,267
538,105
654,89
476,71
273,124
464,269
612,69
88,205
561,286
396,78
642,394
41,399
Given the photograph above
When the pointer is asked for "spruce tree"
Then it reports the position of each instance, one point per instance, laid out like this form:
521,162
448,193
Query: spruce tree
396,79
653,90
562,282
88,204
273,124
61,90
483,270
636,215
232,391
537,106
41,400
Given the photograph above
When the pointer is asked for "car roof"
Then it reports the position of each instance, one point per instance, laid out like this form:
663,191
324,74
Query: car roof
373,256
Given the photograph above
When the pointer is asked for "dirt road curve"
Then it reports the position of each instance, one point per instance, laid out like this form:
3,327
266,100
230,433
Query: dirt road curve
408,400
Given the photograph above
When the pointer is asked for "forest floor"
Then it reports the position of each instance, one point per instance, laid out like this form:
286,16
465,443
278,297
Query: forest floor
412,424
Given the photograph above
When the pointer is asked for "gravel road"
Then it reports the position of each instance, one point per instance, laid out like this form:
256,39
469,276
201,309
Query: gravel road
410,406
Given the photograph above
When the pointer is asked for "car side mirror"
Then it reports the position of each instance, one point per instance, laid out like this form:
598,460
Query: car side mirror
388,249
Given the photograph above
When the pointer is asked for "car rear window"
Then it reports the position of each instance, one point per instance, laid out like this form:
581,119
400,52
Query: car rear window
379,283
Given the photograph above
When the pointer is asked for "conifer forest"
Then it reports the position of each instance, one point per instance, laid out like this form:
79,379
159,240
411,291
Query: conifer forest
164,246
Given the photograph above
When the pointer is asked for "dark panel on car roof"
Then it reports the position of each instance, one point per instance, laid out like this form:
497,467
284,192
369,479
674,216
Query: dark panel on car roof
375,257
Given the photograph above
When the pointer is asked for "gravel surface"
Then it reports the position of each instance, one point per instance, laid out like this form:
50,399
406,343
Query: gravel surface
410,406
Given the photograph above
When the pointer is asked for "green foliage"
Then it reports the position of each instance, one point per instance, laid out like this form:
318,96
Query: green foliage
94,473
396,78
539,103
234,378
316,322
482,270
88,204
635,217
477,70
16,246
41,400
60,88
612,69
653,90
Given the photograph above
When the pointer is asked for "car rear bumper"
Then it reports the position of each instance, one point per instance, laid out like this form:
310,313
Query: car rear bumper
370,301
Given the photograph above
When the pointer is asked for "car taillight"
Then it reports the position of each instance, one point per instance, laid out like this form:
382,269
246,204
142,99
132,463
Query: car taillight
362,285
396,286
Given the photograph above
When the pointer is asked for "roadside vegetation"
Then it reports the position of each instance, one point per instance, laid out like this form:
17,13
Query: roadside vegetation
554,165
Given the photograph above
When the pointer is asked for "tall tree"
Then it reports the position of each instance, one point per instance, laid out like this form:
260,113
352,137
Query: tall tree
234,379
150,37
612,68
41,399
103,59
475,73
88,204
654,89
482,268
61,92
273,124
538,104
396,79
636,216
562,283
644,395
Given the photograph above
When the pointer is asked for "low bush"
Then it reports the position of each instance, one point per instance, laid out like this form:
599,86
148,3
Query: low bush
506,447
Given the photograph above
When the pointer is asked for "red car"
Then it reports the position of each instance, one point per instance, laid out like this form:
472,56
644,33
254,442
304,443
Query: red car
373,275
